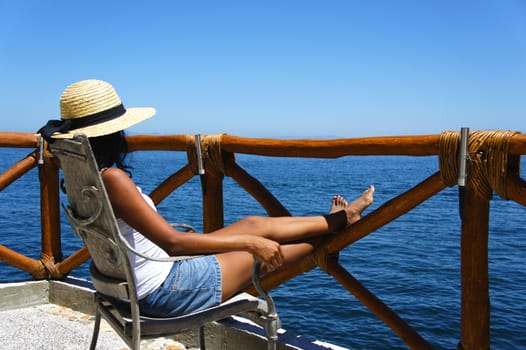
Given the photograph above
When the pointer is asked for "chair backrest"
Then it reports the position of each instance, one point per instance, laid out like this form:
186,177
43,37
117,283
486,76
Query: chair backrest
91,216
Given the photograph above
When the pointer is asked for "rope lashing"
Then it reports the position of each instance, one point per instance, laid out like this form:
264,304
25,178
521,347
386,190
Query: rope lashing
213,154
447,156
489,160
49,264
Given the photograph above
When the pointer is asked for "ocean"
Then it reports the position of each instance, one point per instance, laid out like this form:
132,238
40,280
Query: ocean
412,264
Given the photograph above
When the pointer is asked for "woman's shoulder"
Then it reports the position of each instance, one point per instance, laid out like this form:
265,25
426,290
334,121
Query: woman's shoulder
115,175
111,172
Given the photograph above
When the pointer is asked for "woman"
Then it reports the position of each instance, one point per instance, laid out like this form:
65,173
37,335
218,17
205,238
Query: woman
93,107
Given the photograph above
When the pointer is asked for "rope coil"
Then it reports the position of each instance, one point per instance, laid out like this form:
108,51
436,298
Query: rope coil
489,160
51,267
191,153
213,154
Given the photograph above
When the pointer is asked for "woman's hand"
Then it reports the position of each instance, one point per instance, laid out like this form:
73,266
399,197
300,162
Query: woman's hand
267,251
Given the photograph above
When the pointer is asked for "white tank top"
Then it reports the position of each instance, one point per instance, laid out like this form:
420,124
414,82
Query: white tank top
149,275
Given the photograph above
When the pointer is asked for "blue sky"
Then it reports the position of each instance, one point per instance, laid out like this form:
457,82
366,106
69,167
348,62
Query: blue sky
273,68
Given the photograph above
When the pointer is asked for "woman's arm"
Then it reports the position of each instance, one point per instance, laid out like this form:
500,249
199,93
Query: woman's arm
129,205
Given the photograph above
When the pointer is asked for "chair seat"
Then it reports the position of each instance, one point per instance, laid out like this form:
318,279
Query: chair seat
243,303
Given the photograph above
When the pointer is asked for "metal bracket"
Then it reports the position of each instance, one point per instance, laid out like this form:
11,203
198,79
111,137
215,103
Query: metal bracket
463,157
200,166
41,152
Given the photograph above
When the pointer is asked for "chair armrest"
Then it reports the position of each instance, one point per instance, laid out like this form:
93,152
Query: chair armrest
271,319
185,227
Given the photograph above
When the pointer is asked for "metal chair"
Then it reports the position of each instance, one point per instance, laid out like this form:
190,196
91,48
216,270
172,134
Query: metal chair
91,216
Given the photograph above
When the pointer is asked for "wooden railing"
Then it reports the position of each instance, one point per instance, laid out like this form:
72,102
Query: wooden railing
494,167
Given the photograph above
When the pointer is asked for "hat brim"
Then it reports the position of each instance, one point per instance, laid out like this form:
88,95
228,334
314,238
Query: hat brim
131,117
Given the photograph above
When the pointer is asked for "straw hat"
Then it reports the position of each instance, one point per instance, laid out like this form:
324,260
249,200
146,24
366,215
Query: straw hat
92,107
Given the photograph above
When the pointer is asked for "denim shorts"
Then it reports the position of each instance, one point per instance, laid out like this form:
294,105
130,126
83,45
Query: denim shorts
192,285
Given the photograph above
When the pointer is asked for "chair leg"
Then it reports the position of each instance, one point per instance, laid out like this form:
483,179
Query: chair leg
96,327
136,340
271,330
202,344
271,344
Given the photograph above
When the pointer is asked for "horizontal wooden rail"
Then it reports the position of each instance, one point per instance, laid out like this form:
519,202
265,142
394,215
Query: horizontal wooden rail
424,145
417,145
157,143
517,144
19,139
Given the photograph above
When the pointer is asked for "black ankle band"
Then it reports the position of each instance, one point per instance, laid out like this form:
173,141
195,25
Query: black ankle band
337,221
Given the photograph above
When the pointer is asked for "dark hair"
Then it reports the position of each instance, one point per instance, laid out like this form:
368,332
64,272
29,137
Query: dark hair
111,150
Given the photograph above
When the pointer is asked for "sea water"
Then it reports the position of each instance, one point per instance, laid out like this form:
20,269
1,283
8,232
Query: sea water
412,264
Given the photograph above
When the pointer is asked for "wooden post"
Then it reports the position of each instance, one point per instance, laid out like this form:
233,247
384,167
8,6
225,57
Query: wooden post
475,315
213,216
50,211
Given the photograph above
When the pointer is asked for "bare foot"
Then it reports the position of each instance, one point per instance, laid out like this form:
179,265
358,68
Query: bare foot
338,203
355,208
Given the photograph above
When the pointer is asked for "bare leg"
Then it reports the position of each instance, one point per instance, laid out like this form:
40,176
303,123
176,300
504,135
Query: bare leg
289,229
236,267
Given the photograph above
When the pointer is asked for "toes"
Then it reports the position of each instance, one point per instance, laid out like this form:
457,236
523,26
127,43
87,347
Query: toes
338,203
